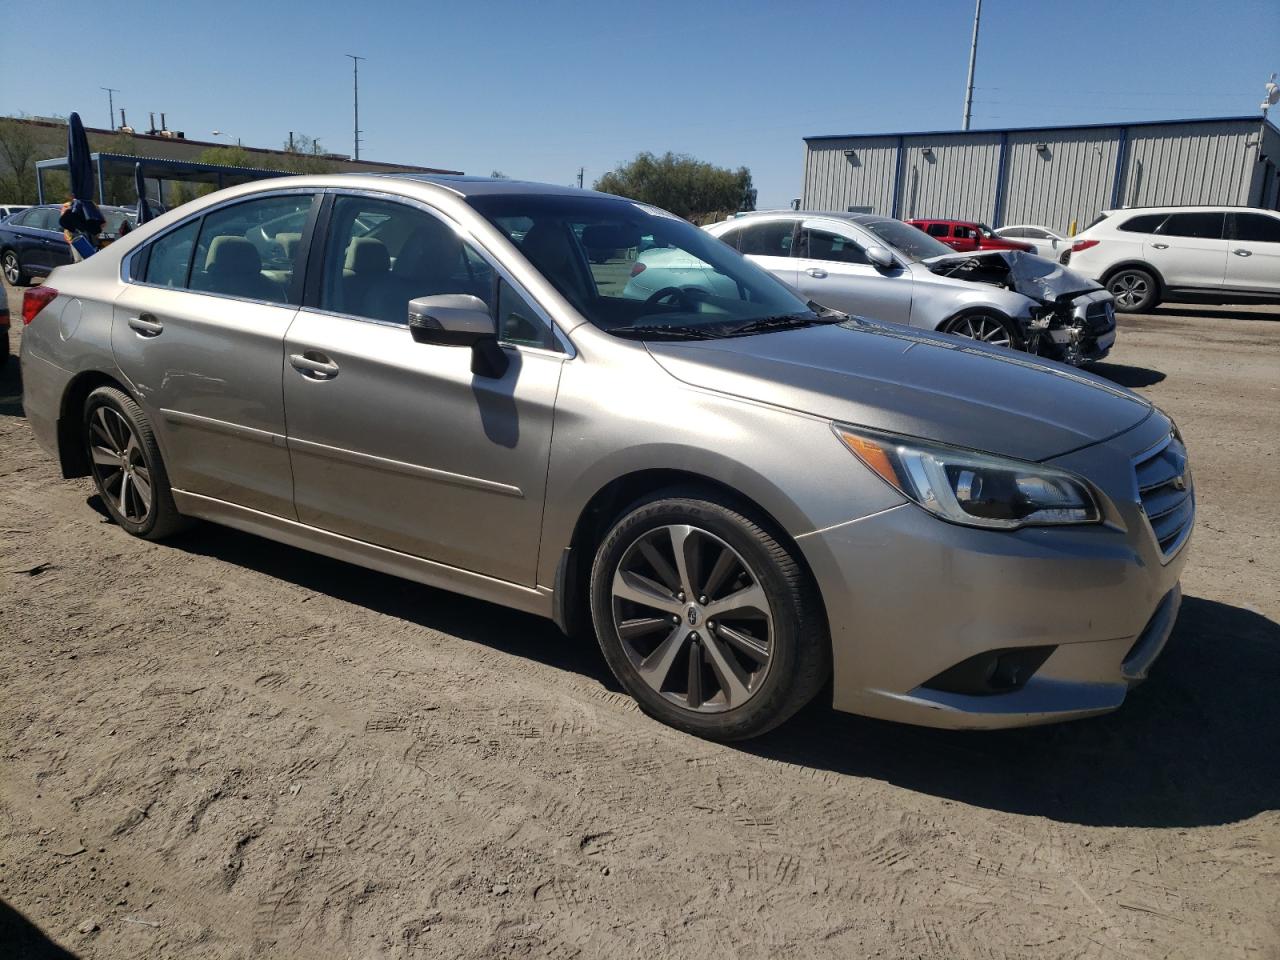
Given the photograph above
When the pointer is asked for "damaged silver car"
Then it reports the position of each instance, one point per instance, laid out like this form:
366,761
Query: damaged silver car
887,270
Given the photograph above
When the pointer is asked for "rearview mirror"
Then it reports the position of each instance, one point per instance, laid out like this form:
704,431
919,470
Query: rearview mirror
881,258
451,319
459,320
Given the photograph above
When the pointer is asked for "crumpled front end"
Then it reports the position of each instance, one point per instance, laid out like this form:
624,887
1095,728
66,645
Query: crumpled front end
1074,317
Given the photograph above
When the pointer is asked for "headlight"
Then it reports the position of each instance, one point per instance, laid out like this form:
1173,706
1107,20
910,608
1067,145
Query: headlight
976,489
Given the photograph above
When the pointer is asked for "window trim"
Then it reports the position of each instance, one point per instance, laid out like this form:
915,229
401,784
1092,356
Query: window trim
143,250
315,255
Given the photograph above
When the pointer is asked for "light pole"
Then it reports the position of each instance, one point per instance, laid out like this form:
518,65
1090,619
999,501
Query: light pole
223,133
355,80
111,106
973,59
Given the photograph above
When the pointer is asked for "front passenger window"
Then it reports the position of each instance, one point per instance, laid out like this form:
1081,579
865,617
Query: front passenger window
822,245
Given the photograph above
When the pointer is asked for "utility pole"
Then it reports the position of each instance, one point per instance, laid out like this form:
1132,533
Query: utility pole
355,77
973,59
581,171
111,105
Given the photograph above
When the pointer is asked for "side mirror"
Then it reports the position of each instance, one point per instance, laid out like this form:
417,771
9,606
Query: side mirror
881,258
459,320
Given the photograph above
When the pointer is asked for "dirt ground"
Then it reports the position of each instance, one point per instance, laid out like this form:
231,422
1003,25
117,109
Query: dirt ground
222,747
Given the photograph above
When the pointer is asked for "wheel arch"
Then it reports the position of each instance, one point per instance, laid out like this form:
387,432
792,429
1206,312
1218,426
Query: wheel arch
1134,264
71,452
573,571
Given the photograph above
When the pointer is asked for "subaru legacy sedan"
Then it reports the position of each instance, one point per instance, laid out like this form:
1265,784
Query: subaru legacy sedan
740,494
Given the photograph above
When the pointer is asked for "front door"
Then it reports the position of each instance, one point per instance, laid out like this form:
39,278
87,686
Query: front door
1189,249
398,443
200,334
833,270
1253,260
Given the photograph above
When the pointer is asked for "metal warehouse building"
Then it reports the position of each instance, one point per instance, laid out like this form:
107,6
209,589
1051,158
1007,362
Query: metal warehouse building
1052,176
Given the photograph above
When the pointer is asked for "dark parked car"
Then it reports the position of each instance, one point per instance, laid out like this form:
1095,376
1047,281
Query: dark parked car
32,243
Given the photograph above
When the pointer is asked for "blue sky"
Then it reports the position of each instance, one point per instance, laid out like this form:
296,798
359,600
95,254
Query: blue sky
539,89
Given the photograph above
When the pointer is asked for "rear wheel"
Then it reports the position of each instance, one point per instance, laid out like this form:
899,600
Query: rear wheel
126,465
985,326
707,619
1134,289
11,266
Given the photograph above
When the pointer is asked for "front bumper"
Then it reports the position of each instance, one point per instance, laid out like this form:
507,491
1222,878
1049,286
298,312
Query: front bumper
909,597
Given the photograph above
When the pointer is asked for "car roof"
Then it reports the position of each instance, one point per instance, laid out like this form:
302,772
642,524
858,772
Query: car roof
1188,206
466,186
803,214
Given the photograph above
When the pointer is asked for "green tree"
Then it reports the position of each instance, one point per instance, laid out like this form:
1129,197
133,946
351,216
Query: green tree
303,154
691,188
18,149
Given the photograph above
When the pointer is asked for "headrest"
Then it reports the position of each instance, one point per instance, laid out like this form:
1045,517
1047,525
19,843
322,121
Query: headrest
367,255
289,243
232,255
434,250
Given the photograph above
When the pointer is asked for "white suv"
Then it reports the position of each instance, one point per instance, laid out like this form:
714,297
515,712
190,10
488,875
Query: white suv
1207,254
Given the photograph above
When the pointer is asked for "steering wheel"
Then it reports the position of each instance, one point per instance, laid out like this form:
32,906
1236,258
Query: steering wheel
686,295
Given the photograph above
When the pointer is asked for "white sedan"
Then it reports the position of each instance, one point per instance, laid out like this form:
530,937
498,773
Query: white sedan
1046,243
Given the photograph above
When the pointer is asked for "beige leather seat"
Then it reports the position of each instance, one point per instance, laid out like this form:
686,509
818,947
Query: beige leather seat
548,247
365,278
233,267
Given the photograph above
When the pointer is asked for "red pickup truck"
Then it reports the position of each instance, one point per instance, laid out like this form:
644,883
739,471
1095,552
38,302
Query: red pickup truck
968,236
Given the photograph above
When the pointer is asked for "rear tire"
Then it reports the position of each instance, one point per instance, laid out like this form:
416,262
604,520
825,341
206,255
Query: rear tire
126,466
1135,290
725,639
11,267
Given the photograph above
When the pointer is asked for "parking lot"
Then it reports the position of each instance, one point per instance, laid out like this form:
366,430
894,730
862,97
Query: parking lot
222,747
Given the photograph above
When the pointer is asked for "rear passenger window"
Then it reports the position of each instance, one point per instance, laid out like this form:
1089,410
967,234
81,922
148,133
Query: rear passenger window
938,229
169,258
1255,228
769,239
1201,224
381,254
1143,223
250,249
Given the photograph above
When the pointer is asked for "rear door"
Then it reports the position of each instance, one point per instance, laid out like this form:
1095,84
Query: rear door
199,331
833,270
1189,249
1253,262
768,243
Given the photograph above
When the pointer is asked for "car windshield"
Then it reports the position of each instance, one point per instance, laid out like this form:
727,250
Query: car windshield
912,242
641,273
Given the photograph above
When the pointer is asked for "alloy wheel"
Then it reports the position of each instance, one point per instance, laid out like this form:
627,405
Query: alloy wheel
12,272
982,326
693,618
118,464
1129,289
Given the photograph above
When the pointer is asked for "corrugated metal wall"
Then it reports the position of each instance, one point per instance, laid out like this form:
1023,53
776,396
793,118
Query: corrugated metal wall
834,182
1188,163
1070,180
958,179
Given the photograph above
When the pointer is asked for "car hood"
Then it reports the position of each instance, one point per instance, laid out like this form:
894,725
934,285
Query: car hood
925,385
1032,276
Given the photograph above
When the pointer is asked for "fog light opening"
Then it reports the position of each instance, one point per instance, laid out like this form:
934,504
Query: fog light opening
992,672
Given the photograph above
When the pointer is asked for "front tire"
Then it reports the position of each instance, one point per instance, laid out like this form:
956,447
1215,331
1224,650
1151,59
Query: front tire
985,326
1135,290
126,465
11,267
706,618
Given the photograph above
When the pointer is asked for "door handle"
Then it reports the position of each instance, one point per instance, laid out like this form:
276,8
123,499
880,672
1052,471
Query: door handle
816,272
146,325
314,365
1243,253
1161,246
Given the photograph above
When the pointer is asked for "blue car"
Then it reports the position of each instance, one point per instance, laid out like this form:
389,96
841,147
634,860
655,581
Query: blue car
32,243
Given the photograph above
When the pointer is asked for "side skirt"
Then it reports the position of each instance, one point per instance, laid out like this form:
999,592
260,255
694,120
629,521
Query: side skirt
535,600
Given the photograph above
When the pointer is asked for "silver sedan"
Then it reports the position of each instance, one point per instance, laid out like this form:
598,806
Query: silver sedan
741,497
888,270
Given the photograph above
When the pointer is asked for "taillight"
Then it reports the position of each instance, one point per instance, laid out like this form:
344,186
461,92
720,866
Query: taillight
1083,245
637,269
35,299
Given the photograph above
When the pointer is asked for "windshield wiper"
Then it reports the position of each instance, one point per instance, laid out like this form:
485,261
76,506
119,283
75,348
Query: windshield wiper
661,332
784,321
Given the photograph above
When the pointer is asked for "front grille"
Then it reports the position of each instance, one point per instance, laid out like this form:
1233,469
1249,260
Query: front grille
1100,317
1166,493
